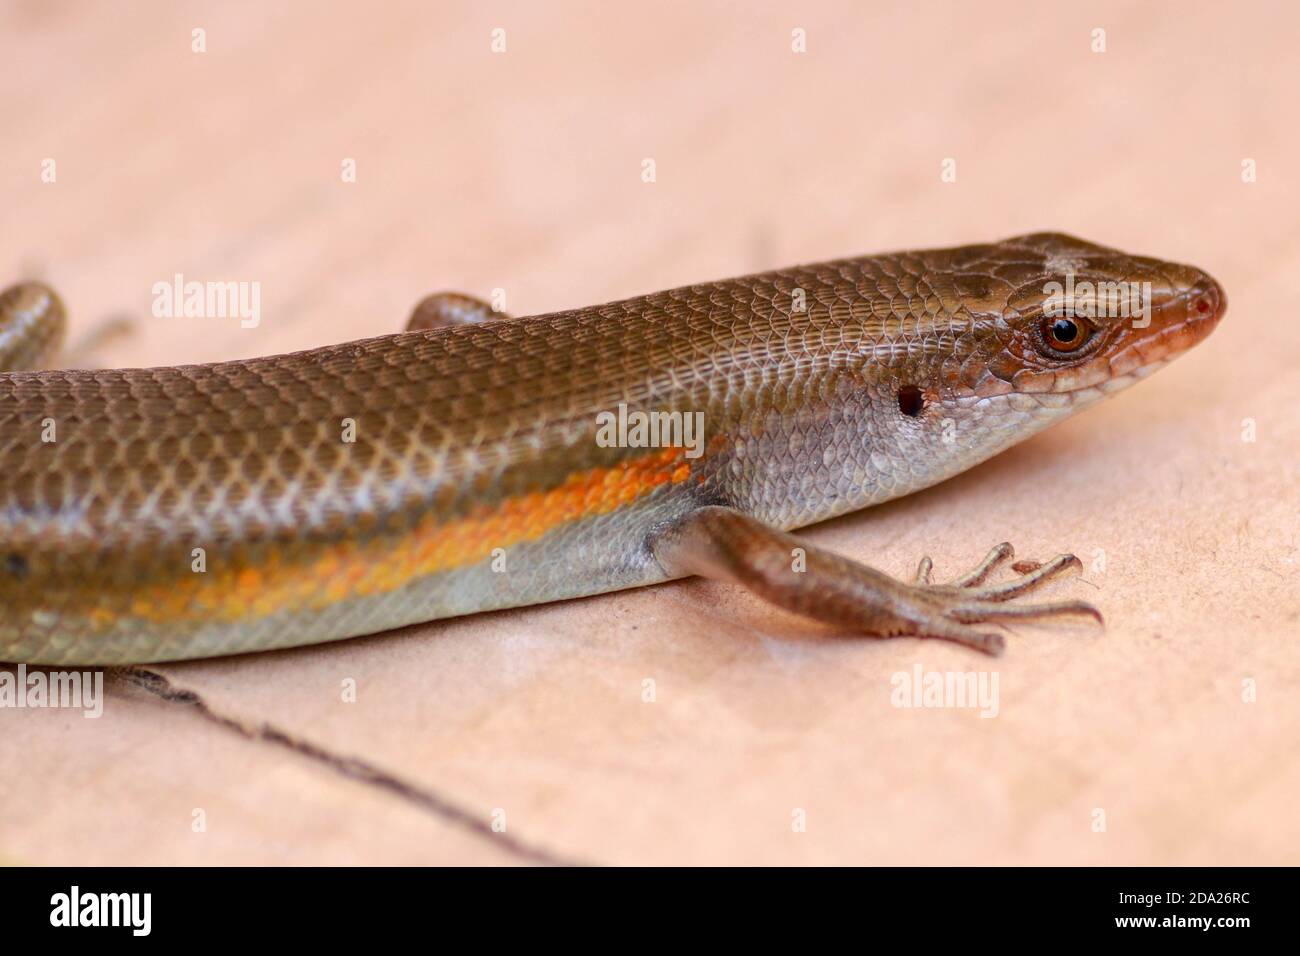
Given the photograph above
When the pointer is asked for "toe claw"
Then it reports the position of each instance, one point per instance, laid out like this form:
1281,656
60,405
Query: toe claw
1091,611
982,611
996,556
994,644
924,571
1028,581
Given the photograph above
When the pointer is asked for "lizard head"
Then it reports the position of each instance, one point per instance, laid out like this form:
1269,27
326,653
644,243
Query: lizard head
996,342
1058,315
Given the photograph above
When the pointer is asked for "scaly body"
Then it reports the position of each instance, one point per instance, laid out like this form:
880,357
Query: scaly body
167,513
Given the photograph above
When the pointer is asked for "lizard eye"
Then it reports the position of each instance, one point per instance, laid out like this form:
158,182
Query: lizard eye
1064,333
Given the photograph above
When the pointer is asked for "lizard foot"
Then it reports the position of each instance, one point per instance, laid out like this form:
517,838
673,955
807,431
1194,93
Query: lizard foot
967,600
728,545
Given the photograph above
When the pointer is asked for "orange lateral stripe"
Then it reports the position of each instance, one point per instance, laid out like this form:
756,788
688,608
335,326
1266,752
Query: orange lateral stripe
349,569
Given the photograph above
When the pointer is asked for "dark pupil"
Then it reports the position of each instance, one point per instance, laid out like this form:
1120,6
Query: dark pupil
1064,331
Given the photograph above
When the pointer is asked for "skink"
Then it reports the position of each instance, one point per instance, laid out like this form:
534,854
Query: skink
476,462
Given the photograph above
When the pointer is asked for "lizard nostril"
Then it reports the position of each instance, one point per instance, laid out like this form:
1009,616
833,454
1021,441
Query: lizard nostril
1206,299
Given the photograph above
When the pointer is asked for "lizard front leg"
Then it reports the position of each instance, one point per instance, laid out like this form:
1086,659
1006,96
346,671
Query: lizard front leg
727,545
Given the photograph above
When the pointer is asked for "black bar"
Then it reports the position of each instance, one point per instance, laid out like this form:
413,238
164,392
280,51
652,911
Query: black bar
539,905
